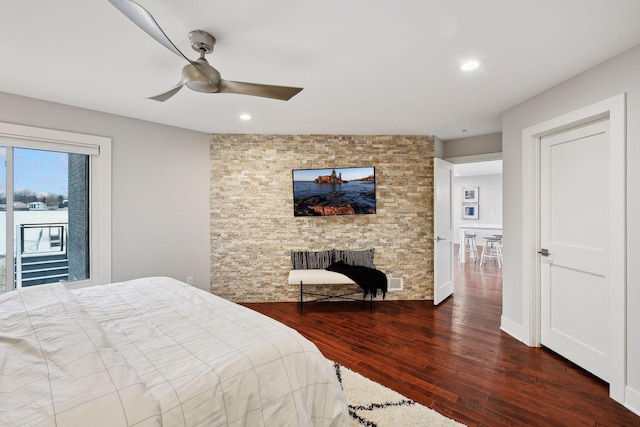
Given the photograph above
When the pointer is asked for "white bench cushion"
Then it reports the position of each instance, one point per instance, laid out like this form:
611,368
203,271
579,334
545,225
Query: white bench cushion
318,277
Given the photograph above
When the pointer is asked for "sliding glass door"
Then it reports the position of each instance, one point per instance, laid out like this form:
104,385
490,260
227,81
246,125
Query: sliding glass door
46,221
52,195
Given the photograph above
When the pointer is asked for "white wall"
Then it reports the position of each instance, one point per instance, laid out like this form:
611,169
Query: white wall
438,147
489,205
618,75
472,145
160,188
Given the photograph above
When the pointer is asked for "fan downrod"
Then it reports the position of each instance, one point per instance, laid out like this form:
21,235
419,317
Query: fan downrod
201,41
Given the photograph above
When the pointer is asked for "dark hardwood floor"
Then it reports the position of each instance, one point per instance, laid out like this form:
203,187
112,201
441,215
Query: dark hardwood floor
454,358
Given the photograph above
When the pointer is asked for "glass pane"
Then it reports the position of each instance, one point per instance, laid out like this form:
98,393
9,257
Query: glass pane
50,217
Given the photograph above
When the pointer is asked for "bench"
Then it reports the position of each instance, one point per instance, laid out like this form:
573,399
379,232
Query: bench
309,271
314,277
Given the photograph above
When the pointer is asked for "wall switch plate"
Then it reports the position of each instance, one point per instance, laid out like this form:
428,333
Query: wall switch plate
190,280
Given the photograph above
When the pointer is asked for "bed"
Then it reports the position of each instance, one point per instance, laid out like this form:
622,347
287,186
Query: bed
156,351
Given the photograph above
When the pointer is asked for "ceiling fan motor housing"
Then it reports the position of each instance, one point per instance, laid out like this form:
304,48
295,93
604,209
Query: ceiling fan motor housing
202,41
197,80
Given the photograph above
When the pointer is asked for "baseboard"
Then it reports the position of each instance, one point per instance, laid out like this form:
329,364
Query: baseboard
512,328
632,397
632,400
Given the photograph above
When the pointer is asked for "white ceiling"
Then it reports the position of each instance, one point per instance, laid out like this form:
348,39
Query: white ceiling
367,66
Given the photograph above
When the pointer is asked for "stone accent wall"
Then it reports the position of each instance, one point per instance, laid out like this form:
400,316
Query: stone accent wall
253,228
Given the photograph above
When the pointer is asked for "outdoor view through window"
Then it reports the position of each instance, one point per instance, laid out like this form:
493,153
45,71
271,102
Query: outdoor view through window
50,217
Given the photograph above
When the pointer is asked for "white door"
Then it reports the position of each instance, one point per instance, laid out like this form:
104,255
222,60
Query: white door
442,230
575,286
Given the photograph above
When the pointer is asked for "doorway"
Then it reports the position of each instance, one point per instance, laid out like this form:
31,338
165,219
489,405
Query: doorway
477,189
613,111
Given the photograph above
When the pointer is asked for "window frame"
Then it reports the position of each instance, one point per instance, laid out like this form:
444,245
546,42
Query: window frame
99,150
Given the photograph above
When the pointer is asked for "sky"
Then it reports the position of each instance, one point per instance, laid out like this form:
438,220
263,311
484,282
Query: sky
347,173
37,170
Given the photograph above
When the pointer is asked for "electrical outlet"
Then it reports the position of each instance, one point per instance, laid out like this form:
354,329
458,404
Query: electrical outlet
190,280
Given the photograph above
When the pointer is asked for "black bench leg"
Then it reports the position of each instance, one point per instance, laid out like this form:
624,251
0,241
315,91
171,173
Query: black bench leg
364,301
301,297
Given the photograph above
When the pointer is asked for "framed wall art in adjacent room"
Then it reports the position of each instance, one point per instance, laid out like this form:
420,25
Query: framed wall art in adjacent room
470,195
470,211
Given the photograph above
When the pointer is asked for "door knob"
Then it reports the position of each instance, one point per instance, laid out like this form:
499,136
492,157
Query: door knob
544,252
438,238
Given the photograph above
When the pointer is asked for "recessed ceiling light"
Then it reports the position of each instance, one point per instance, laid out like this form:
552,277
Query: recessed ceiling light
245,117
469,65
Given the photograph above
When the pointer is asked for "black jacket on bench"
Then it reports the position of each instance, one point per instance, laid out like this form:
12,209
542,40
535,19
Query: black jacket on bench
369,279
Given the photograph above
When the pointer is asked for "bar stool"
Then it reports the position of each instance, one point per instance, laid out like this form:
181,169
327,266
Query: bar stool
492,248
469,245
501,243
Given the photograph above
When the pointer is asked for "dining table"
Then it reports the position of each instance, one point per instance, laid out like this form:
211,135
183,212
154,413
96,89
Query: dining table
493,228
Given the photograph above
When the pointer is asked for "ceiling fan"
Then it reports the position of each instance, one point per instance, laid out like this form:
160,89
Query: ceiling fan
198,75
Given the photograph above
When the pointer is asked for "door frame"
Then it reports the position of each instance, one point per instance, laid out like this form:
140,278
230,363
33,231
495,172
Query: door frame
614,109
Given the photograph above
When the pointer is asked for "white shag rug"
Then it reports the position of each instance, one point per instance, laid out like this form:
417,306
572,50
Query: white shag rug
374,405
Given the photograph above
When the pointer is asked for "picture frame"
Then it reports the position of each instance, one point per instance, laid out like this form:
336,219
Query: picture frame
470,194
470,211
334,191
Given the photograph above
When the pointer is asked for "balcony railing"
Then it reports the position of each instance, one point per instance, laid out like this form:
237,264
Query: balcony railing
41,254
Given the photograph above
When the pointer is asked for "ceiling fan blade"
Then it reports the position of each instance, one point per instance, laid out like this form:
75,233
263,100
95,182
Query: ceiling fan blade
143,19
283,93
168,94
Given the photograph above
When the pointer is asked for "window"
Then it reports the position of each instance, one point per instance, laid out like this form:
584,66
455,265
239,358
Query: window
55,215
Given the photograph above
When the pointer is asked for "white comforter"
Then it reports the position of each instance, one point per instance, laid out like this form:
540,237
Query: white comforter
57,367
156,351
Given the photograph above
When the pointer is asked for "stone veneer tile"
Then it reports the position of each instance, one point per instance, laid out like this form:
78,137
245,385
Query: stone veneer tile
253,228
